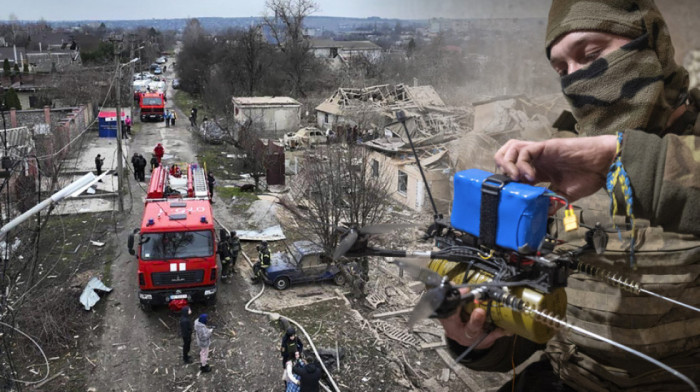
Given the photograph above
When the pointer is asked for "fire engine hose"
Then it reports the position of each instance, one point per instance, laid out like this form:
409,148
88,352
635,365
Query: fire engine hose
311,343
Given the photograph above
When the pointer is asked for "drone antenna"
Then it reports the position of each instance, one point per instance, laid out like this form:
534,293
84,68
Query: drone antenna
401,116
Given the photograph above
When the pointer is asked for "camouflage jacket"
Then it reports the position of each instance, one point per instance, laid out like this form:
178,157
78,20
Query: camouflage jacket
664,171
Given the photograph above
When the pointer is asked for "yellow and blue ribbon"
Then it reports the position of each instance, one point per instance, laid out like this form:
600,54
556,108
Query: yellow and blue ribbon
618,175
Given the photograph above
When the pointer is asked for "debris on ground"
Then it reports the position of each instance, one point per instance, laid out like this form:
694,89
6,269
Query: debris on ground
89,297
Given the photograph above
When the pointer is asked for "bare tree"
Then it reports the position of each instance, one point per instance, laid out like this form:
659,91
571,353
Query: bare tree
254,53
286,24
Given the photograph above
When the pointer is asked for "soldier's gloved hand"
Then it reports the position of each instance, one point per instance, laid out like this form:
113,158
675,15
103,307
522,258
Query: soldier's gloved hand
467,332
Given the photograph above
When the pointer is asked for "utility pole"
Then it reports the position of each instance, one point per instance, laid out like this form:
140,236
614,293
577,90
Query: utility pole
116,40
131,77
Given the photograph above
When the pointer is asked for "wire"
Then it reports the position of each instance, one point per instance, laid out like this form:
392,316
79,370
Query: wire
46,360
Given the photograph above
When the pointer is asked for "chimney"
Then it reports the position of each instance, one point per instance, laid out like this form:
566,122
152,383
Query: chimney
13,117
47,115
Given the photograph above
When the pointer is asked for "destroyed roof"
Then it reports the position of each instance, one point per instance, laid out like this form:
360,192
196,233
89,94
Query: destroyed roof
347,45
19,141
385,96
265,101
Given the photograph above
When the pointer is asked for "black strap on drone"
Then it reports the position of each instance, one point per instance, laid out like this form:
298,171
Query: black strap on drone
490,197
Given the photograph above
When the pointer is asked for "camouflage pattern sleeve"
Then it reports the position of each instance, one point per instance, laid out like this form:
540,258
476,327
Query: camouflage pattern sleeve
665,178
505,352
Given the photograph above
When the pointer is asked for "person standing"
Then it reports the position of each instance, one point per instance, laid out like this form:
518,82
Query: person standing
193,116
291,345
290,379
309,375
225,255
235,243
99,161
154,162
263,261
127,122
186,333
173,117
142,168
159,151
167,118
135,162
211,181
203,334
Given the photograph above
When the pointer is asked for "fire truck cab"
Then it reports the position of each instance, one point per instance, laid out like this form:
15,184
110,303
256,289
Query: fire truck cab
176,248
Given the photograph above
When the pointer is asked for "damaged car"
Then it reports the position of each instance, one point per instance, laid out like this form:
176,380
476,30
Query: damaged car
304,262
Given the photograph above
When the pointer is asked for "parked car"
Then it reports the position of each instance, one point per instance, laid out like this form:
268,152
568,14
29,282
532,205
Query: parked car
176,83
161,60
158,71
311,136
154,66
305,262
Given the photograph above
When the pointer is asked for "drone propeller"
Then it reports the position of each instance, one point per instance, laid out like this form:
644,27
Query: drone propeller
346,244
418,272
352,235
430,302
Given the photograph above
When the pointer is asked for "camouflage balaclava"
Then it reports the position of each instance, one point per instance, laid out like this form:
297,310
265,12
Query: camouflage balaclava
635,87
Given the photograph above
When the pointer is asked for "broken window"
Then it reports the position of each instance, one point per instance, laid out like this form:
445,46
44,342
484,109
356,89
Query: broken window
375,168
403,183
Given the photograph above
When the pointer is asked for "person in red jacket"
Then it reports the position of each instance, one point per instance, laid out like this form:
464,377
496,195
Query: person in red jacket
159,151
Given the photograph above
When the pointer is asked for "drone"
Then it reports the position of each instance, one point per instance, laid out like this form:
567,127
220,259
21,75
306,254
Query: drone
495,253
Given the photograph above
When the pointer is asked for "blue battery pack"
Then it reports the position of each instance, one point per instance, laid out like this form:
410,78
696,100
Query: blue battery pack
521,221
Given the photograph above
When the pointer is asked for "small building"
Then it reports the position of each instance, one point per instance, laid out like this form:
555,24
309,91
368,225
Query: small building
345,50
270,117
108,121
406,184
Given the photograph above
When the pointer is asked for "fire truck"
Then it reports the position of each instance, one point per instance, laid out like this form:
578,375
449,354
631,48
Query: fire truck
152,106
176,247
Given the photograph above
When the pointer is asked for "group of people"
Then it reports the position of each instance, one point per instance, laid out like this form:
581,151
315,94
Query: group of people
170,116
300,374
202,333
139,163
229,247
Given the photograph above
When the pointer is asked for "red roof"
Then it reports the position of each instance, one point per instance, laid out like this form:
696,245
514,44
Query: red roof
110,114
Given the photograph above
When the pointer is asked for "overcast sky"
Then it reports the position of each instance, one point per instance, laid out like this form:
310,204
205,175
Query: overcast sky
166,9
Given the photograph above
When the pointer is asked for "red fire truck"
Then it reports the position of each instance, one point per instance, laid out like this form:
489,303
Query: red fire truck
152,106
176,247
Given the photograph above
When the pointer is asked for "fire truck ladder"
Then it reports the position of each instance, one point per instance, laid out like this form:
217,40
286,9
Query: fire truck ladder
199,182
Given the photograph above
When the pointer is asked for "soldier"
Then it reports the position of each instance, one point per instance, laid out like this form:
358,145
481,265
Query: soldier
631,99
263,261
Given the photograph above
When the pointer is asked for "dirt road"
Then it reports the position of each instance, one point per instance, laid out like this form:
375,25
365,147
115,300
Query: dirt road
141,351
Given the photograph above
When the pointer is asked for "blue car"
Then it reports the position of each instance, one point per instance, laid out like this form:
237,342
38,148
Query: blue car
303,263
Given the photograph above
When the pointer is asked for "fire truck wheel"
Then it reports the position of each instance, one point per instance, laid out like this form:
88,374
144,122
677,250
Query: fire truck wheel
281,283
145,307
339,279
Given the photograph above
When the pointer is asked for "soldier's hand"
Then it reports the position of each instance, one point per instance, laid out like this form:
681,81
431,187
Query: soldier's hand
575,167
466,332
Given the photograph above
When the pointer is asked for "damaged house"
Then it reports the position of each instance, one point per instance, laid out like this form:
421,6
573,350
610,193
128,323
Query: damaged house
368,116
269,117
